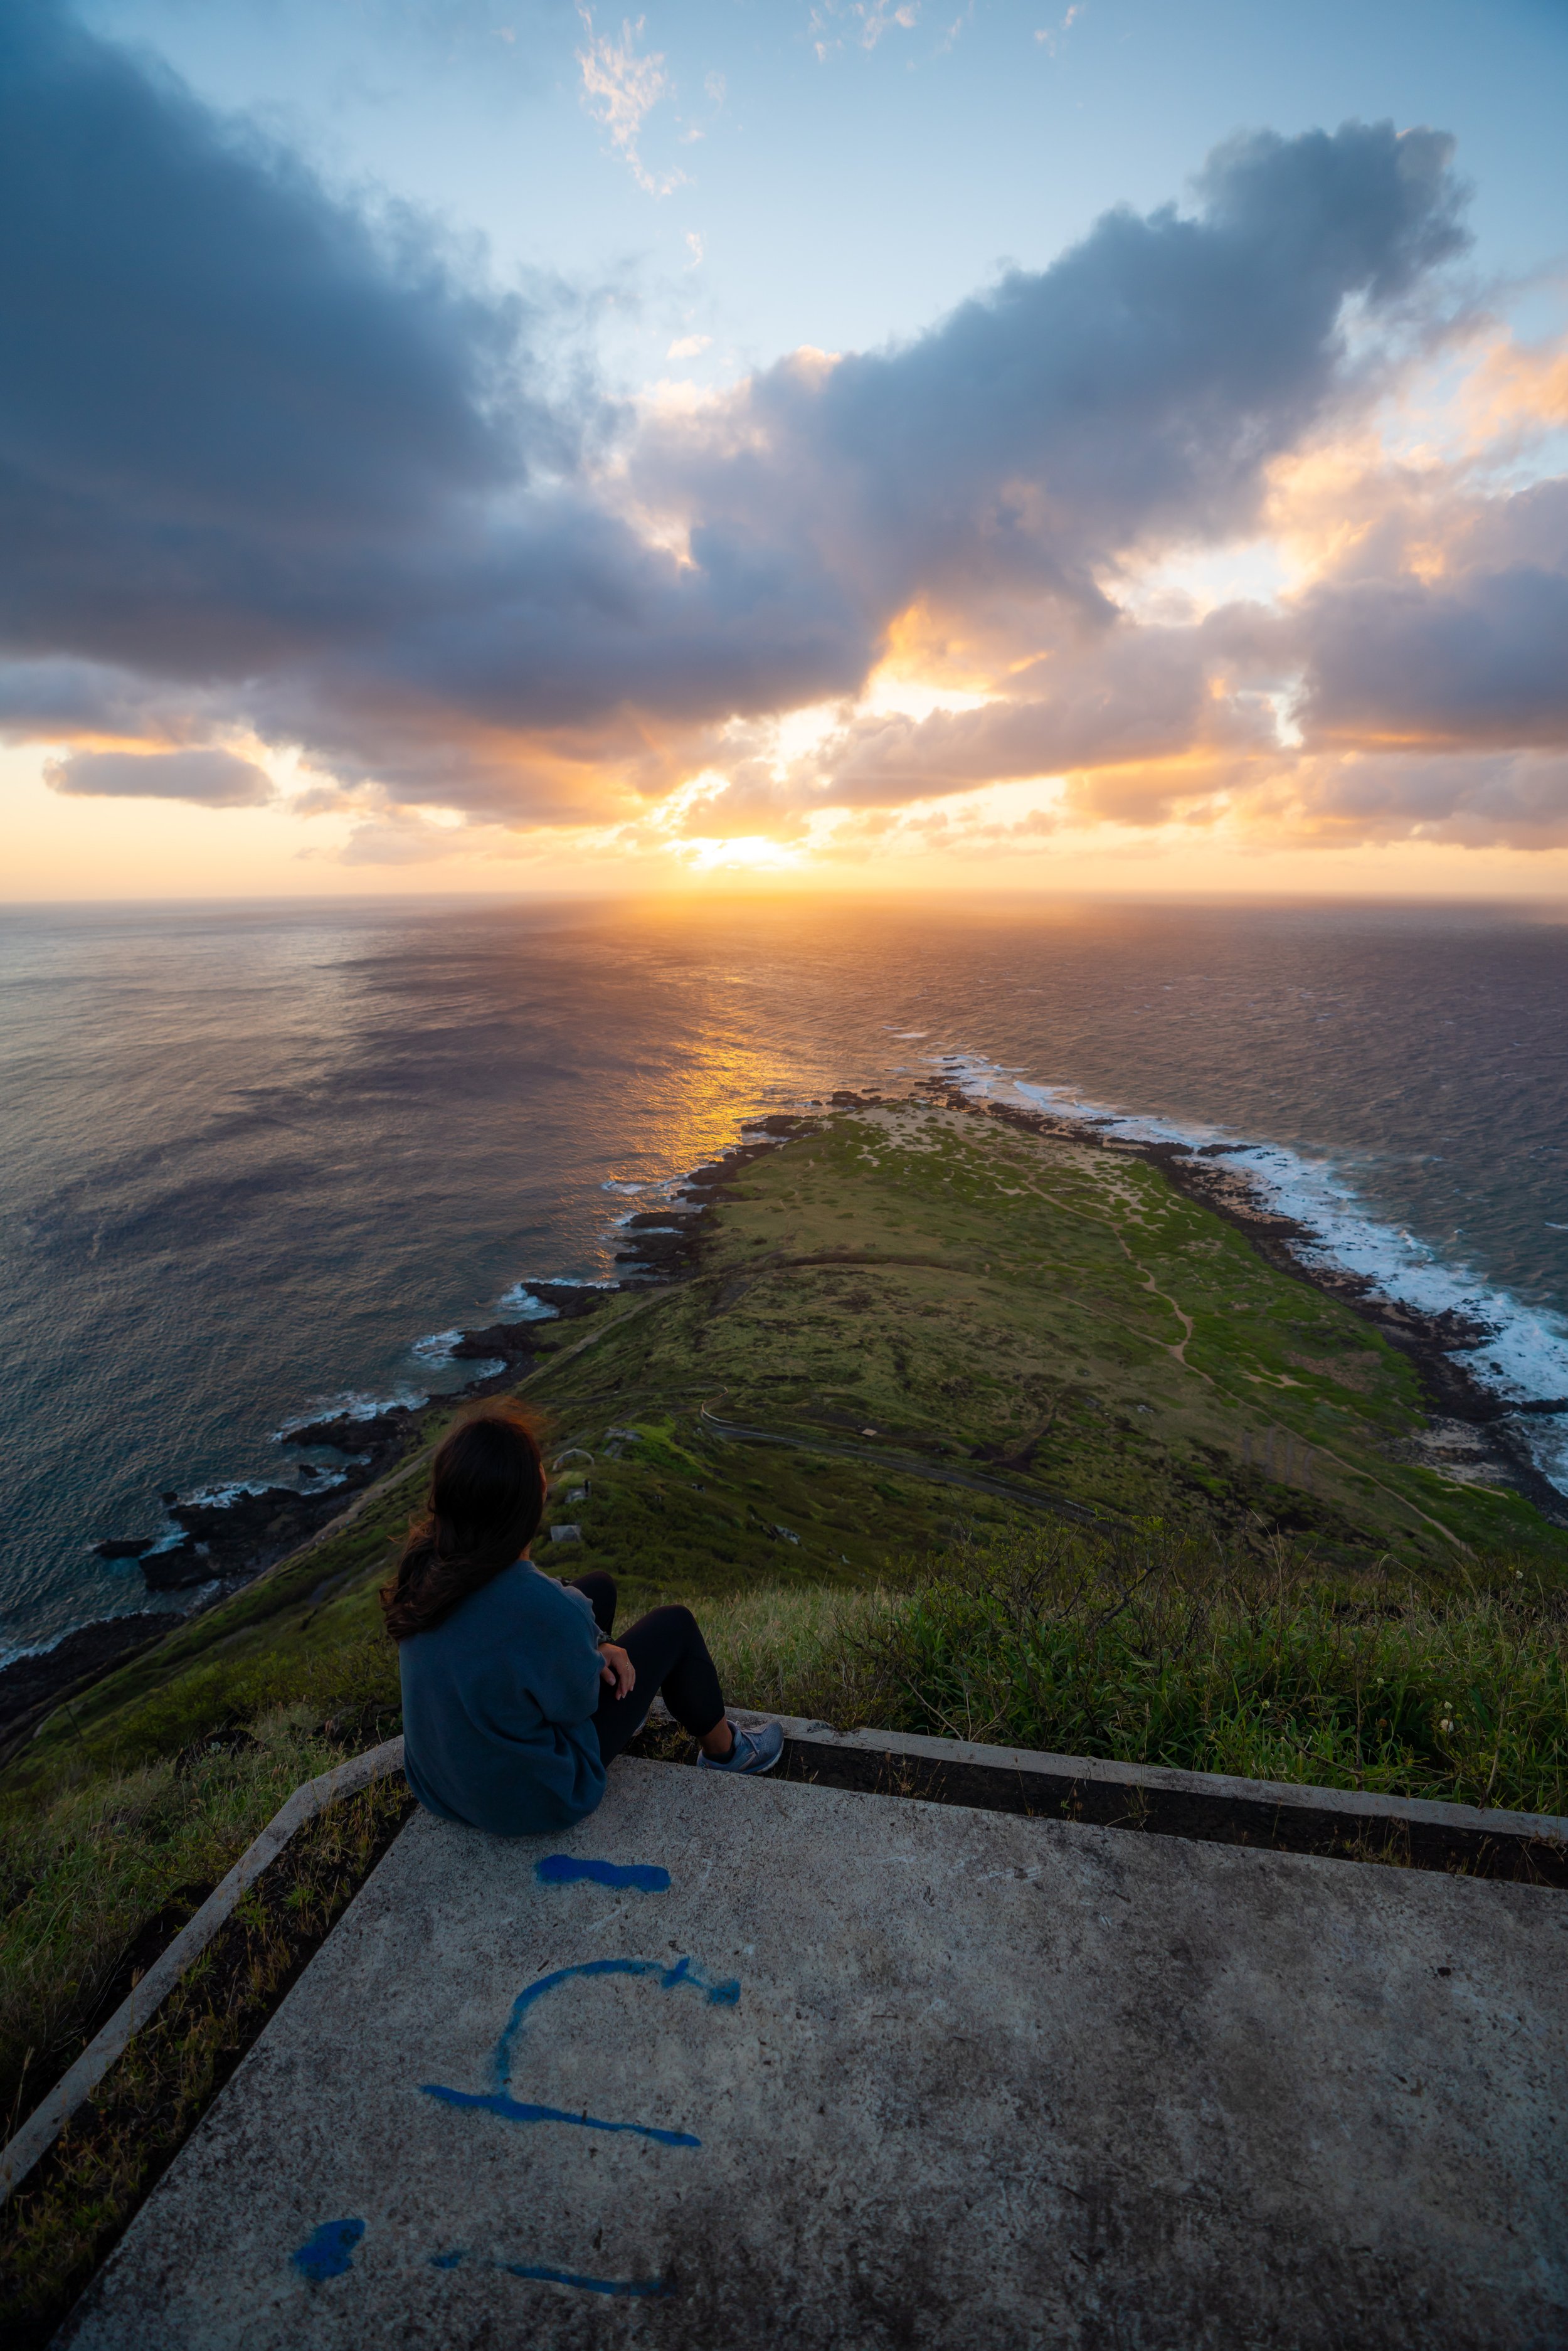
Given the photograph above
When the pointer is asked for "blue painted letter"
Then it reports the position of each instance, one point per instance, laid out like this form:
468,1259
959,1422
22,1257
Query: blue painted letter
565,1869
682,1976
328,2251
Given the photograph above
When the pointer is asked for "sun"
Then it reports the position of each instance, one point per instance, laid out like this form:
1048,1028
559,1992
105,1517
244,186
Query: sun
751,852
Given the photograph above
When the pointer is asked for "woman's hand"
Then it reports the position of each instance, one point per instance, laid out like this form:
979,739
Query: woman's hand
616,1668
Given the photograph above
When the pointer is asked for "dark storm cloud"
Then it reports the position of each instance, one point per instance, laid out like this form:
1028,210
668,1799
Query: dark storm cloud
224,396
52,698
213,779
1477,656
1136,387
267,459
1498,800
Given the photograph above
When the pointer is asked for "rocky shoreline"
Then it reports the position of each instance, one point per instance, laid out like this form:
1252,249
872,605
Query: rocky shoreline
1472,1433
226,1542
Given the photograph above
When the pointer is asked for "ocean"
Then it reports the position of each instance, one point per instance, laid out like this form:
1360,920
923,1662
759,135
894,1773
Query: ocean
262,1161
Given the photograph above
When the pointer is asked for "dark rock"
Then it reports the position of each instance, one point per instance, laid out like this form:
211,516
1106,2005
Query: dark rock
571,1300
27,1684
356,1436
509,1340
235,1540
665,1254
705,1179
124,1546
178,1569
258,1511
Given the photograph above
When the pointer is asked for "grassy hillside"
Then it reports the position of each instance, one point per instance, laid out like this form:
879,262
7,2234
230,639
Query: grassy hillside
951,1427
922,1300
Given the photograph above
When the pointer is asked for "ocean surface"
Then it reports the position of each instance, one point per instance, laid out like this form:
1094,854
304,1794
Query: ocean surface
260,1161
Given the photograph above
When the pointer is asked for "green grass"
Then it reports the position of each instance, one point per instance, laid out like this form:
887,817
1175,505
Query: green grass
81,1874
1204,1658
963,1291
71,2209
1241,1658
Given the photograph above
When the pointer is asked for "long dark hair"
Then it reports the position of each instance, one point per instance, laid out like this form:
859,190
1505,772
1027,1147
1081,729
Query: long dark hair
487,1499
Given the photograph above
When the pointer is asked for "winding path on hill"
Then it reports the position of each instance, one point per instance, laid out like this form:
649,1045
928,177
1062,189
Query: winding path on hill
1054,1505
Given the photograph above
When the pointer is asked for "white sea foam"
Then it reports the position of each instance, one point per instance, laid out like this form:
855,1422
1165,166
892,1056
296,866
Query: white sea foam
437,1351
521,1301
1524,1355
616,1184
157,1603
353,1403
437,1347
220,1497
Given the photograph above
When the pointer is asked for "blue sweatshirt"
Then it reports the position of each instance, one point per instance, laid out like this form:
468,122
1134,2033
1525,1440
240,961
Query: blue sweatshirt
498,1706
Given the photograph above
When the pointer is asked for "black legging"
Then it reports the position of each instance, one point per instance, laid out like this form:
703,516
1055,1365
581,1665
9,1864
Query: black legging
671,1657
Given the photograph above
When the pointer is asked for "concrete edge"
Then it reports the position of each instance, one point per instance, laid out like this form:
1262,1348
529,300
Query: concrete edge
47,2121
1302,1795
1284,1816
1033,1763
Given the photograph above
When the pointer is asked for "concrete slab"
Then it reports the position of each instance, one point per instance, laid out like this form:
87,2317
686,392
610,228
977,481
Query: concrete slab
874,2073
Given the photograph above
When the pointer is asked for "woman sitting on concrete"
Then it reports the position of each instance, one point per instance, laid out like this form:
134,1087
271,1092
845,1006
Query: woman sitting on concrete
514,1696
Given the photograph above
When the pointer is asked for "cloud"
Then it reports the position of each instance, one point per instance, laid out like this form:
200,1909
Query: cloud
1112,698
866,21
1134,391
226,397
688,347
273,463
61,697
1516,801
1477,656
621,90
211,779
1048,35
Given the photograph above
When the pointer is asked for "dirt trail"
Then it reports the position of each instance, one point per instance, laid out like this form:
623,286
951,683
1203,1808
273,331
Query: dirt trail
1054,1505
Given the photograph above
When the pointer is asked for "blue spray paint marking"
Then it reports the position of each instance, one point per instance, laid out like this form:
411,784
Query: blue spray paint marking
328,2251
513,2110
565,1869
637,2286
500,2101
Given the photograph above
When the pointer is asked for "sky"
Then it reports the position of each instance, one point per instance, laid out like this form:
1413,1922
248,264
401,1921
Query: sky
456,445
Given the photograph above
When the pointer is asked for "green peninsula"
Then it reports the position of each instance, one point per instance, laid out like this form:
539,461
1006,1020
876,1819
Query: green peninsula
939,1323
